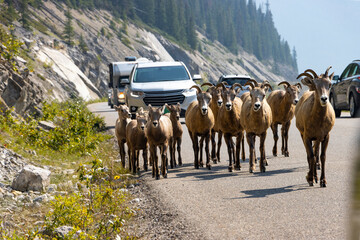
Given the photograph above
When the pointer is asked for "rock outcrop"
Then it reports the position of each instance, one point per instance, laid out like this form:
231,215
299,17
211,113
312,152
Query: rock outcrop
31,178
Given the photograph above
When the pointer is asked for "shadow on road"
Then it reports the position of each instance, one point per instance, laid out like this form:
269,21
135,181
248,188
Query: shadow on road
104,111
260,193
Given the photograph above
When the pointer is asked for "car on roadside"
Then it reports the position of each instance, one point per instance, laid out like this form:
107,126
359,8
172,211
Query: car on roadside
345,90
231,79
157,83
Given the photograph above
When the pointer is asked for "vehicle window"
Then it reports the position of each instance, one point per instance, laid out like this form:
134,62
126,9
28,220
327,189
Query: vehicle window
159,74
354,70
346,72
231,81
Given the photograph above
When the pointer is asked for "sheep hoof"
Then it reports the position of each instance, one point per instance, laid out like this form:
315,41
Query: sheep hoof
165,175
323,183
263,169
208,166
311,184
157,177
180,163
201,164
196,166
318,166
230,168
251,170
316,179
237,168
214,160
286,154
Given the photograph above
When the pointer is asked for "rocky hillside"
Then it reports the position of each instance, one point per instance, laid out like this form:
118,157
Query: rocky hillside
61,71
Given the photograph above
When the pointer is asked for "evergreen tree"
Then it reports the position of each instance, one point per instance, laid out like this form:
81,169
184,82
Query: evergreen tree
24,11
68,29
82,44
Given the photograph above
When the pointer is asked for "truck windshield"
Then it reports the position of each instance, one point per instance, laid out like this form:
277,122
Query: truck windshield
159,74
231,81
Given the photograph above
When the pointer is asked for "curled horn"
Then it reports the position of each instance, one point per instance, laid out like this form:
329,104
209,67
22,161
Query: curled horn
221,84
327,71
267,85
298,85
236,85
306,75
197,88
312,72
207,84
285,83
254,82
250,84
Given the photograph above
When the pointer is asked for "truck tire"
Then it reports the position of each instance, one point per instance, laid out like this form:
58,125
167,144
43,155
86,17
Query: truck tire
353,107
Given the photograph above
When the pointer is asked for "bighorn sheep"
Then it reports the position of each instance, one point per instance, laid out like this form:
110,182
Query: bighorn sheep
215,104
174,116
315,118
136,140
282,103
200,120
120,130
159,132
256,118
229,122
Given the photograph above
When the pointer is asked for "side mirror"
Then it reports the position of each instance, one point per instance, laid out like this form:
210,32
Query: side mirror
197,77
124,81
336,78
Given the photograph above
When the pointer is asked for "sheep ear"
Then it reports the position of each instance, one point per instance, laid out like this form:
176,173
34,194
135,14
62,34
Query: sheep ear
162,109
308,82
178,106
141,110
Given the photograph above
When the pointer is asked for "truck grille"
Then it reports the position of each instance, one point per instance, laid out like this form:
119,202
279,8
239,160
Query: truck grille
160,98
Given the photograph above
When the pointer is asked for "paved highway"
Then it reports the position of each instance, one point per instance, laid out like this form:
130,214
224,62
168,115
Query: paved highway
277,204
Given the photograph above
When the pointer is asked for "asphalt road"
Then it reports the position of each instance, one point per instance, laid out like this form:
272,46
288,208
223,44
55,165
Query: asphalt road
277,204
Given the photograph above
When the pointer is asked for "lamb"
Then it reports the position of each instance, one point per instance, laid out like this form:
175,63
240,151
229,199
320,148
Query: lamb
282,103
215,104
200,120
136,140
174,116
256,118
315,117
120,130
159,132
229,122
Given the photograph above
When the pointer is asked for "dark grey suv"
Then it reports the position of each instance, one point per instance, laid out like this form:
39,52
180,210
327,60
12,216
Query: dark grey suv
345,91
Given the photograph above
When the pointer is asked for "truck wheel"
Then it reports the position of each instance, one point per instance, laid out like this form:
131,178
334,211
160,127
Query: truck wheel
337,112
111,105
353,107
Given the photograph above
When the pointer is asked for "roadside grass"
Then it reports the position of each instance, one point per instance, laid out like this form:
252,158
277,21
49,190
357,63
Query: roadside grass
90,183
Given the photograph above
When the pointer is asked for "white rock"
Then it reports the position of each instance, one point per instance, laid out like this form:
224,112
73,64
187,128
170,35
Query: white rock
31,178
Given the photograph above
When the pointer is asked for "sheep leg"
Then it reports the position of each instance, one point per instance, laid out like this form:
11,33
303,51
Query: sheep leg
207,150
243,147
254,140
202,138
195,142
213,147
220,134
324,145
250,139
156,172
229,144
137,160
285,137
163,151
311,161
274,128
239,139
122,152
316,152
145,158
173,150
262,152
179,151
172,156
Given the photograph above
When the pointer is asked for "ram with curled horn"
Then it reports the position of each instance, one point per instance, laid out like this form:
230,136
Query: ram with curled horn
282,103
230,123
315,118
215,104
199,119
256,117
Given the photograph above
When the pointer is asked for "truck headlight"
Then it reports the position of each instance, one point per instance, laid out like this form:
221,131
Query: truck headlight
121,95
136,93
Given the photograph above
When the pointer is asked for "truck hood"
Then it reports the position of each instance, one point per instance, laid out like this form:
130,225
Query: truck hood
162,86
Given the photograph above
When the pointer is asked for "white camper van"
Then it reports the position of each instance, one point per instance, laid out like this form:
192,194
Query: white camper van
119,77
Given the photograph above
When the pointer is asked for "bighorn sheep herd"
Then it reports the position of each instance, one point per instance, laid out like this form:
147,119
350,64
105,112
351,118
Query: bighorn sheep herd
220,110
